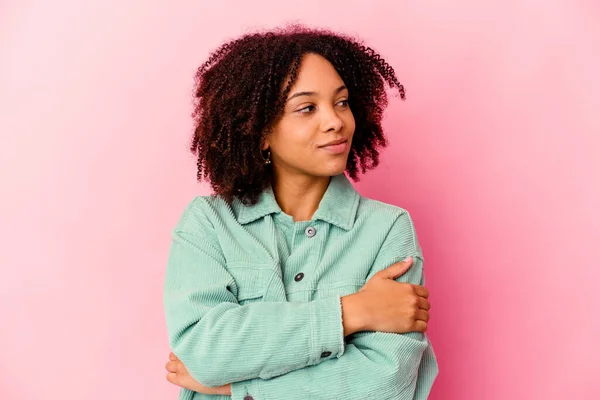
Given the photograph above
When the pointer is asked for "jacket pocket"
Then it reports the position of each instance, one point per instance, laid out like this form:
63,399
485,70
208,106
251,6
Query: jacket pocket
250,283
339,288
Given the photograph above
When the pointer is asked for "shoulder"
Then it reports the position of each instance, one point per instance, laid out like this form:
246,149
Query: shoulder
371,208
394,221
200,214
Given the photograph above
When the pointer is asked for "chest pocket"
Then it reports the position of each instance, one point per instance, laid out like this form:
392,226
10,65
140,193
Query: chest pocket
341,288
250,283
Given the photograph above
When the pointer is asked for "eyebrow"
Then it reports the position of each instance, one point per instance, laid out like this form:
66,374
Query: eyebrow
298,94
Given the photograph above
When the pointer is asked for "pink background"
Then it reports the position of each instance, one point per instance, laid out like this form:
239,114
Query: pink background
495,153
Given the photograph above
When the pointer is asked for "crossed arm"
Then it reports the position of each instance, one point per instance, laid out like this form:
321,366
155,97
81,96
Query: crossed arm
274,349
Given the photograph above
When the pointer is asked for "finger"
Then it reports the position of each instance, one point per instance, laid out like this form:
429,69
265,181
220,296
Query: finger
172,377
422,315
171,366
420,326
172,356
181,368
395,270
423,303
421,291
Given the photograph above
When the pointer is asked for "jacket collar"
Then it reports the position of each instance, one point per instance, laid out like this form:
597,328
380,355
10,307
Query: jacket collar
338,205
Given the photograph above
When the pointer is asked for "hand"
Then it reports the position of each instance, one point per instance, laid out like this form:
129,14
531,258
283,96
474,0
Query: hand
179,375
392,306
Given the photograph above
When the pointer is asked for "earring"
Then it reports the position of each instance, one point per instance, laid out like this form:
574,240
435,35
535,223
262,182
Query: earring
268,159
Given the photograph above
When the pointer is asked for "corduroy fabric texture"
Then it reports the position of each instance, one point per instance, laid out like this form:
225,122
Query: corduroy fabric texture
252,298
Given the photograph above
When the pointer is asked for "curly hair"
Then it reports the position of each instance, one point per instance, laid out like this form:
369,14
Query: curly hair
240,94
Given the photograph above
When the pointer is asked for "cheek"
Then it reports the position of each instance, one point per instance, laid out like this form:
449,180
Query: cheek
295,135
350,126
350,122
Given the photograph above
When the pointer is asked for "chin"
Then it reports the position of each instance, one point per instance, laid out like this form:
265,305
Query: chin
332,170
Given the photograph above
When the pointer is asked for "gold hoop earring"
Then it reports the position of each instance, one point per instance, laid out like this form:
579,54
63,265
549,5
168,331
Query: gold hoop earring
268,159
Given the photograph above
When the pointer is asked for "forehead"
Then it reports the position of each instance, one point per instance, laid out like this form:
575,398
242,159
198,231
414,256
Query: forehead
316,72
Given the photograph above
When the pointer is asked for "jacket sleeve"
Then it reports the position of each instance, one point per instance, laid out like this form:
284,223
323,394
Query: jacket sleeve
375,365
220,341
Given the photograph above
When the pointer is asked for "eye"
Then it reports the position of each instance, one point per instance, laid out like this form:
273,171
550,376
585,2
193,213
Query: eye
343,103
306,110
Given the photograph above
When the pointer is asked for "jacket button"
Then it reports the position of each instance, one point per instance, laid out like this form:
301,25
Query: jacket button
325,354
310,231
299,277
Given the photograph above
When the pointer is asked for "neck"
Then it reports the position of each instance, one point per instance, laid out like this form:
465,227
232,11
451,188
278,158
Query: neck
299,195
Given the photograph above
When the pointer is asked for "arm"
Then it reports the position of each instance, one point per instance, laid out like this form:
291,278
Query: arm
220,341
375,365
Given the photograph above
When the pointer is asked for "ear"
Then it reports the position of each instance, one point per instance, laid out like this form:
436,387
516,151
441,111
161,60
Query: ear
265,141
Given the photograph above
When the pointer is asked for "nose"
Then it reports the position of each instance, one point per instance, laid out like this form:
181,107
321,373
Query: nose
332,121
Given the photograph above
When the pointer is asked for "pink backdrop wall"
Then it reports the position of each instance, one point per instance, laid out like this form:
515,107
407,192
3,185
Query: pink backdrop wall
495,154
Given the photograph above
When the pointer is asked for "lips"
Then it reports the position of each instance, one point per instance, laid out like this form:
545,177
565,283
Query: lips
337,146
334,142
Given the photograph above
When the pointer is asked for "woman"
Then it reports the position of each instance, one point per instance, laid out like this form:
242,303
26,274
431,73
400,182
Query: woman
286,283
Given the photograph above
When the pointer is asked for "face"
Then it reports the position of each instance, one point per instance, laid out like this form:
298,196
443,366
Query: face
314,135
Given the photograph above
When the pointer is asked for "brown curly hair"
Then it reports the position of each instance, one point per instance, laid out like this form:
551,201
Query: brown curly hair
240,94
